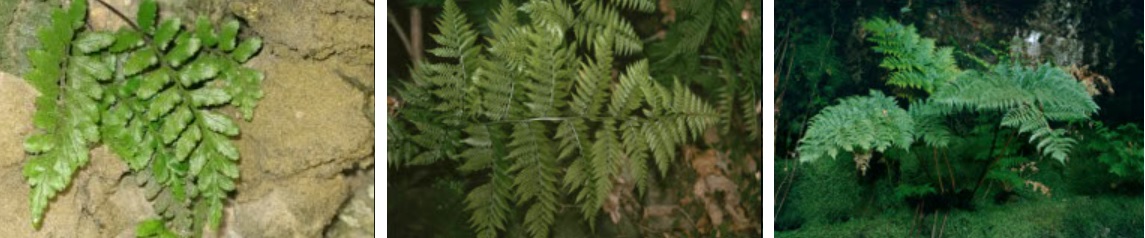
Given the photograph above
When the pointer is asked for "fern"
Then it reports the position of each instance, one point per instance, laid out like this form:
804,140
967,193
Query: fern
598,19
67,76
1029,99
859,125
1119,148
157,112
914,61
715,46
930,124
539,119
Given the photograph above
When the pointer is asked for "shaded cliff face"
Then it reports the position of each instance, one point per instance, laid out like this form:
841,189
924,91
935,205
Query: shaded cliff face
1097,38
307,156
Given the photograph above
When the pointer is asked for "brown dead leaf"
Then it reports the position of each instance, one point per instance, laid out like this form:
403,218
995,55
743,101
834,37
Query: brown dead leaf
658,211
393,104
668,10
1039,187
1094,83
621,199
705,163
711,136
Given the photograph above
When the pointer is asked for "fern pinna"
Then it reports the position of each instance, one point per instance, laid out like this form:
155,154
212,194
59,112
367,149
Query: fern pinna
153,94
539,119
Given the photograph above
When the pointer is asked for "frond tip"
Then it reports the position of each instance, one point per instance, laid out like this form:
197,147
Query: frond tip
915,61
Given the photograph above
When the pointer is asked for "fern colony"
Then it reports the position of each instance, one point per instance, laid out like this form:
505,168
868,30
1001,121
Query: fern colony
549,109
1004,98
155,95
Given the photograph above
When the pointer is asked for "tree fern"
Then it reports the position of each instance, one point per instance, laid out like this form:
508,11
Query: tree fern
539,119
859,125
914,61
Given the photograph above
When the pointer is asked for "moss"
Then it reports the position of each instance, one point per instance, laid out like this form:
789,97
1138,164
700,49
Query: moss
1106,216
824,192
881,226
19,20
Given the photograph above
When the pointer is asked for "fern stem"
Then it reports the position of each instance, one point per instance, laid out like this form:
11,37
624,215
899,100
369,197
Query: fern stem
950,170
941,185
120,15
982,177
934,227
943,229
790,181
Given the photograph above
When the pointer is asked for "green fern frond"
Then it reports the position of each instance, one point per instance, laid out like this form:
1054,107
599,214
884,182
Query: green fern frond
67,76
549,73
597,19
1030,99
529,82
457,41
858,124
930,124
637,5
151,95
914,61
603,164
535,176
675,116
490,203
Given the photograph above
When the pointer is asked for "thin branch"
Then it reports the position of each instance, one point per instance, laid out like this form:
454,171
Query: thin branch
938,168
934,228
940,231
401,33
950,171
415,34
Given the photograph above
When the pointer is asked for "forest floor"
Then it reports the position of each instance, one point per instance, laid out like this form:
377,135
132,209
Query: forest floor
307,157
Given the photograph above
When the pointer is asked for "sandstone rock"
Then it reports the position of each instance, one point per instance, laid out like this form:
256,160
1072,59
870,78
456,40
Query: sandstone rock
17,101
356,217
308,119
298,207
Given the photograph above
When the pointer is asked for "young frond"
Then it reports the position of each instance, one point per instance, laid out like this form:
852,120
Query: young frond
858,124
